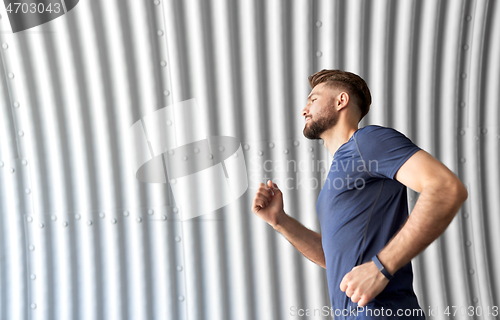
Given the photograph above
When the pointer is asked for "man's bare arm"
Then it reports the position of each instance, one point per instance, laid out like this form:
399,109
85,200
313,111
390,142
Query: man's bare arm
306,241
268,205
441,195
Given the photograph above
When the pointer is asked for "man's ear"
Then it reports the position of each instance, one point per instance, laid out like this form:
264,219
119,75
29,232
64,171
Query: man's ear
342,101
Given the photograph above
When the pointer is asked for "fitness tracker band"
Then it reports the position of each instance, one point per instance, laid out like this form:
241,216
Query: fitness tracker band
381,267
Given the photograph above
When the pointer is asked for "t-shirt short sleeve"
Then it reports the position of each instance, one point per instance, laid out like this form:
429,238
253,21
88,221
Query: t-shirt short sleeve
384,150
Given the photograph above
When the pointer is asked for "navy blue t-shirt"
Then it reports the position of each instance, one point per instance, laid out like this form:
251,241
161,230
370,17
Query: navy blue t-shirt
360,208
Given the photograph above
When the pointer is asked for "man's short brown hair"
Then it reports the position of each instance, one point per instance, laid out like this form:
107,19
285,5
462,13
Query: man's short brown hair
354,85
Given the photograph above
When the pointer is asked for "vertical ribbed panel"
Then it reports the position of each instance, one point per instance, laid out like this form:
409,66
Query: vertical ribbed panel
82,238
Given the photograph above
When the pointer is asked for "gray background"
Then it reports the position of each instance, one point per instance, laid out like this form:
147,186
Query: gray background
81,238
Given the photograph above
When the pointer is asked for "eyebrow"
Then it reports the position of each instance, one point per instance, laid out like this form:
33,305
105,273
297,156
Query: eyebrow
310,96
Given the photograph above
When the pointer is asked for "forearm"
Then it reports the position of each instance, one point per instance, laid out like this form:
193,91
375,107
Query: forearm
306,241
431,215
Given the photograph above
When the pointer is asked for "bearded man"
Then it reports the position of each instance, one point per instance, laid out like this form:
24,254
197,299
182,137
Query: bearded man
367,237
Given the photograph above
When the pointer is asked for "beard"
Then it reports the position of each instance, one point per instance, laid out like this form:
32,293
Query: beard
315,128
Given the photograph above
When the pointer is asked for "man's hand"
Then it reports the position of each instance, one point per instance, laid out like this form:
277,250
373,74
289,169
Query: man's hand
268,203
363,283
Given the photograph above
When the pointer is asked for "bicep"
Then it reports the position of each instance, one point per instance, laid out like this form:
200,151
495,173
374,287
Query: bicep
422,169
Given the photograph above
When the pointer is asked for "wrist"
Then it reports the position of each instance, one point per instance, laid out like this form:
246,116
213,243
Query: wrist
280,221
381,268
387,262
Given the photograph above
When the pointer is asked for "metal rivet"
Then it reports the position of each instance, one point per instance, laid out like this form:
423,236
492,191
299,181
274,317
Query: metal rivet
464,75
261,153
462,104
320,141
468,243
53,217
16,104
20,133
181,298
65,224
160,32
11,75
113,221
32,276
5,46
466,47
157,2
27,190
469,18
177,239
77,216
166,93
12,170
163,63
164,217
485,130
151,211
311,149
471,271
171,152
476,138
24,162
169,123
32,247
179,268
89,222
33,306
173,181
462,160
296,143
210,156
319,54
196,150
29,218
185,158
466,215
475,300
101,215
246,147
125,213
462,132
175,210
139,219
221,148
285,151
271,145
318,24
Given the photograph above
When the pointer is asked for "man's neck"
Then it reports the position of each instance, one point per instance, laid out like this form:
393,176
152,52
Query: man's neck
337,136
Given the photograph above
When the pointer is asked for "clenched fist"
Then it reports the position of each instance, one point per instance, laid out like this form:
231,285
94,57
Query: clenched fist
268,203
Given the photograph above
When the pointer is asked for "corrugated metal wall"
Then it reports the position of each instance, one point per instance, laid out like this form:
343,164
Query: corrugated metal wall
82,238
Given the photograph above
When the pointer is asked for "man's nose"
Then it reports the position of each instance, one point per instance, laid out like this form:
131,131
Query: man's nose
305,111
